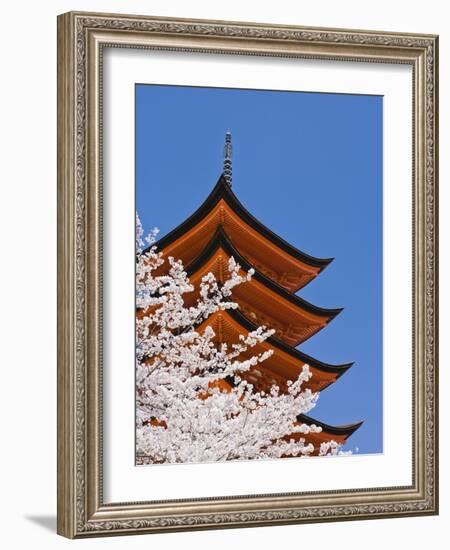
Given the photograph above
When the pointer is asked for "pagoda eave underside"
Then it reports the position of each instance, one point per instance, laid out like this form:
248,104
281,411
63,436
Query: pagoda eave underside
284,364
326,432
264,302
339,434
263,254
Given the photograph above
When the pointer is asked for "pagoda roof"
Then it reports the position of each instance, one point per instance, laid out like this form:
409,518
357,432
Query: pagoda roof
343,430
298,268
339,434
294,325
285,363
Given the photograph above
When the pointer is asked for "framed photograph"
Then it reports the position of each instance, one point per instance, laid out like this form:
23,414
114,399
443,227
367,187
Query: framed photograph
247,277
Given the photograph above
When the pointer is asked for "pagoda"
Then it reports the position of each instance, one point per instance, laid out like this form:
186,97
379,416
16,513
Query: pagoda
222,228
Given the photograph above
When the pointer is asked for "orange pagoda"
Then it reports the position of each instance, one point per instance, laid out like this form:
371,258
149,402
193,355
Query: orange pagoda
222,228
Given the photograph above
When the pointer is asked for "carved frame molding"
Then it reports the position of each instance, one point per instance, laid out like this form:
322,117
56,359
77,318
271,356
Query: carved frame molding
81,39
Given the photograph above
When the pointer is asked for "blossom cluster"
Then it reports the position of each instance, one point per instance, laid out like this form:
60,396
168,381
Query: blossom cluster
193,402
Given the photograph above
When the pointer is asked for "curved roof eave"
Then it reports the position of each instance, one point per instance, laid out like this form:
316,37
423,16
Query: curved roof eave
346,429
221,239
242,320
223,190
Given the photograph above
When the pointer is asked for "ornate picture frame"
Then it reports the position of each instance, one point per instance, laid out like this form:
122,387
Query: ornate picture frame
82,40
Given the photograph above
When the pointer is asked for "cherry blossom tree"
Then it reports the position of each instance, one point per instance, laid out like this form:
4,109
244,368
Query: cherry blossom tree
192,402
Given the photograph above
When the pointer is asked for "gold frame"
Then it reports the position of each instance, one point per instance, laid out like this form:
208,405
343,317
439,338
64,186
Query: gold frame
81,37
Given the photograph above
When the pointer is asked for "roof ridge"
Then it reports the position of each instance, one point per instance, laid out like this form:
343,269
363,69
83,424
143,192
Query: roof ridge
220,238
240,318
223,190
342,429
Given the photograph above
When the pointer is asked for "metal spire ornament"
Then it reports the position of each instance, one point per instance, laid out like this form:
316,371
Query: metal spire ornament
227,158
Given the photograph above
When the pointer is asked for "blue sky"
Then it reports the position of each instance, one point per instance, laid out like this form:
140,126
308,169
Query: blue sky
307,165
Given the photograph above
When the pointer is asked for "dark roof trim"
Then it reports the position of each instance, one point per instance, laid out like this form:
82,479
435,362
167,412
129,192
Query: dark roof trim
220,239
347,429
339,370
223,191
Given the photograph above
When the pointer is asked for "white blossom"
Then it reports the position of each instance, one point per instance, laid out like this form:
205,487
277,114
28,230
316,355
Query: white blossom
192,402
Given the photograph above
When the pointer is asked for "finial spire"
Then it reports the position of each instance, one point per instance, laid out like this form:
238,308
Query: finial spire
227,158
